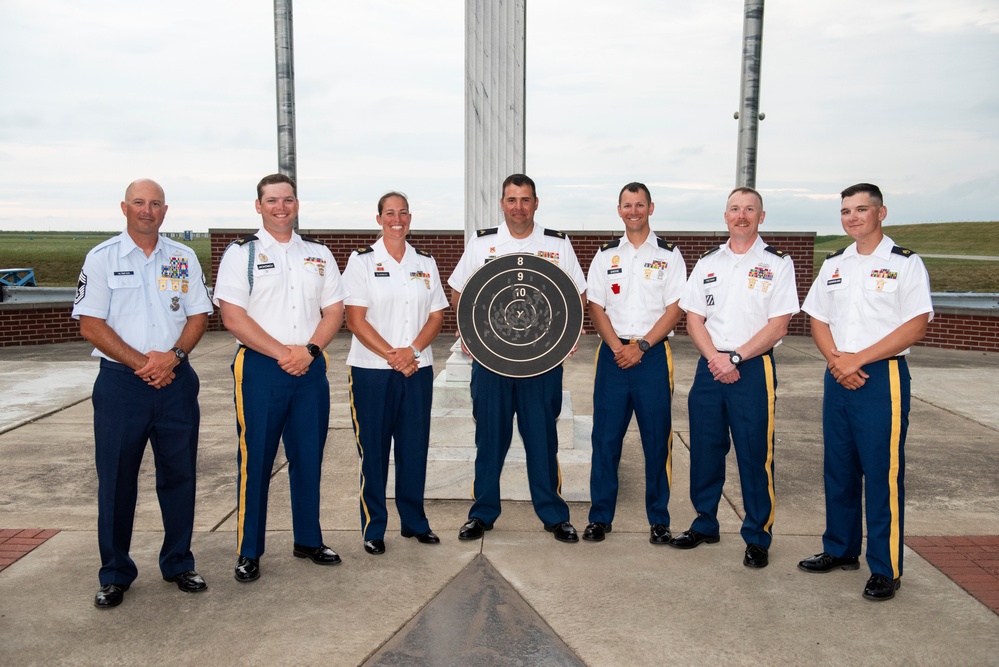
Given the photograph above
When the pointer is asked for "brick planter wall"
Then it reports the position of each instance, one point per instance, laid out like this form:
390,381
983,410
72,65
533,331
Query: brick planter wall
959,329
448,246
37,323
952,328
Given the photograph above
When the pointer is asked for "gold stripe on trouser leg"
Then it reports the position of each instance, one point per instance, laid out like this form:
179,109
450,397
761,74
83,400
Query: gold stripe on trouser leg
768,369
895,541
241,420
669,441
360,450
558,467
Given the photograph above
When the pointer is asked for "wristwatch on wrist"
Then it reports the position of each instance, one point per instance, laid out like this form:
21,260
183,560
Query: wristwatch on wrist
416,353
179,353
643,345
735,358
314,350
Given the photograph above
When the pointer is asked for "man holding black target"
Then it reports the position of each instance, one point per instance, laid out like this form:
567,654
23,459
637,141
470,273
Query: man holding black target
496,398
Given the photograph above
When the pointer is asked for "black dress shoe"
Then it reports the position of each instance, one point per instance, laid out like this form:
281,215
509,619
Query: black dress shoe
428,537
596,531
563,532
321,555
880,588
247,569
189,582
824,562
659,534
374,547
689,539
109,596
756,556
473,529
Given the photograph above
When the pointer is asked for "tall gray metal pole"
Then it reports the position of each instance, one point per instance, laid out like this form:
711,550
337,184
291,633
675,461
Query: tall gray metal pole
284,53
749,115
495,83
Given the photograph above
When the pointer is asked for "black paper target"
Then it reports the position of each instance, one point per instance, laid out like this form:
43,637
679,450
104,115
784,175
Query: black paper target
520,315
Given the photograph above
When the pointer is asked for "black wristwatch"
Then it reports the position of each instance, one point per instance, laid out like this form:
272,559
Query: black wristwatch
643,345
180,354
735,358
314,350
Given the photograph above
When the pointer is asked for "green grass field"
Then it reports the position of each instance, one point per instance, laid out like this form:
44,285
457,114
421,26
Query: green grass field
57,257
945,238
950,238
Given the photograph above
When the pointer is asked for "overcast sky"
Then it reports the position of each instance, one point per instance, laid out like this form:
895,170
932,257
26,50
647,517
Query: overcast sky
903,93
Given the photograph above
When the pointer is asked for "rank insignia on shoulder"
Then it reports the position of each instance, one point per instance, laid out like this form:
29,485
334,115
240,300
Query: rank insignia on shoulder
610,244
775,251
555,233
836,253
310,239
487,231
899,250
425,253
708,252
364,250
666,245
81,288
245,240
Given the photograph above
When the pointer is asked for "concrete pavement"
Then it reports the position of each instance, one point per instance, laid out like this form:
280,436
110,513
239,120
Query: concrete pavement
619,602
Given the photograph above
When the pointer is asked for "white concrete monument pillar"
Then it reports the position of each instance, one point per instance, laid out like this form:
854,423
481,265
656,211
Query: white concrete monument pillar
495,49
495,81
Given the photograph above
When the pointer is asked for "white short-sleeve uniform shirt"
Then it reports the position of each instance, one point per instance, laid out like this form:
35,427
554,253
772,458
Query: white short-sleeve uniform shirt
863,298
145,300
291,284
738,294
399,297
495,241
634,286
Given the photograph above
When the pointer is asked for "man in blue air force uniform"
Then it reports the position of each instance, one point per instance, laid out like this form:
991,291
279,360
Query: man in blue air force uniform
143,303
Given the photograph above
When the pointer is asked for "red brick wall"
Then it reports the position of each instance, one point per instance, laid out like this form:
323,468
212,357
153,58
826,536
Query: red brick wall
963,331
448,246
35,324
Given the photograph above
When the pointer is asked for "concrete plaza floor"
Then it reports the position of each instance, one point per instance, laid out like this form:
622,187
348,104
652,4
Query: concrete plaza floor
516,597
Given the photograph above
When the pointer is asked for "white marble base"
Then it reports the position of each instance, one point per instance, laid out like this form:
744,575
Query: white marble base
457,369
451,460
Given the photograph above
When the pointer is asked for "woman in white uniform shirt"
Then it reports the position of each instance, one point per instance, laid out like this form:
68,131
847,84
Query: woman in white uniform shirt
395,310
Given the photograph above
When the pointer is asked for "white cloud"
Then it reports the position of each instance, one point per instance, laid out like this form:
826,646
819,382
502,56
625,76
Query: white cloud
894,92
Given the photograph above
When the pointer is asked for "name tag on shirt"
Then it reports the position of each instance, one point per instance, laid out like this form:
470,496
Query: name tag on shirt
124,273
